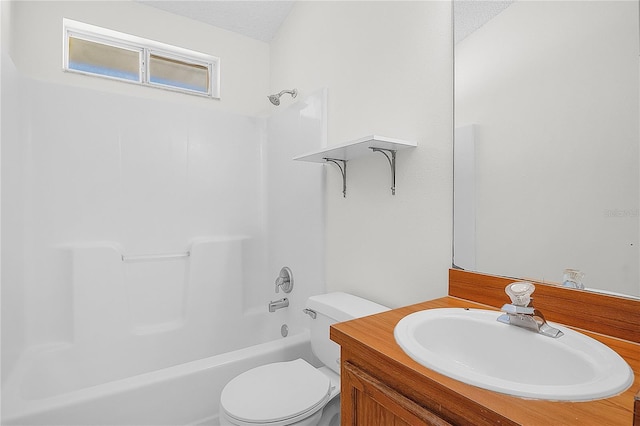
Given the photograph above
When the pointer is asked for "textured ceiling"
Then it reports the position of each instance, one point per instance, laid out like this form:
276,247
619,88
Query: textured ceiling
256,19
260,19
469,15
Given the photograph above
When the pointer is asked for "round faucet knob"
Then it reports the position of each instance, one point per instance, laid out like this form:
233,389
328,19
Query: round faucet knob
520,292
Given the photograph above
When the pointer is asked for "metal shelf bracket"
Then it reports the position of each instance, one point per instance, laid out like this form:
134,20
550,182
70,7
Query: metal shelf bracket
390,155
343,172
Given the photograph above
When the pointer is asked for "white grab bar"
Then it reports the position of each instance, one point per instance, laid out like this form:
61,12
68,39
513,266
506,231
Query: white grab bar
151,257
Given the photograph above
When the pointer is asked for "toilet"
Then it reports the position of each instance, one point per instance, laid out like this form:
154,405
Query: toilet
295,392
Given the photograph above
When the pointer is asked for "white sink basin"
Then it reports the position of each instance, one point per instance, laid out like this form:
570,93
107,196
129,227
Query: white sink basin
471,346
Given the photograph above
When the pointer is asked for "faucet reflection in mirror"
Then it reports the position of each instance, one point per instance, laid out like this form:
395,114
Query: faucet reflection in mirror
572,278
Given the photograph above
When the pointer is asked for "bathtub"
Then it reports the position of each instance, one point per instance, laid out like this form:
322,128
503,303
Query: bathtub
147,342
184,394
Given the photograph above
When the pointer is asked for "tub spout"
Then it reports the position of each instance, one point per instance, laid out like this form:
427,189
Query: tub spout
278,304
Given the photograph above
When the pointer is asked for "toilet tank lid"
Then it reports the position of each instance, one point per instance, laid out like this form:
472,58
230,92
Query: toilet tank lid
343,306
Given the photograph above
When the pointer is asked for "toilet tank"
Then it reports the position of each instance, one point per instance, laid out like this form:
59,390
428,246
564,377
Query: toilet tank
331,308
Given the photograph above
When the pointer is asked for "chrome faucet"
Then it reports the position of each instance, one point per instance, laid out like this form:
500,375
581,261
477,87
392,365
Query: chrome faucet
284,280
278,304
520,312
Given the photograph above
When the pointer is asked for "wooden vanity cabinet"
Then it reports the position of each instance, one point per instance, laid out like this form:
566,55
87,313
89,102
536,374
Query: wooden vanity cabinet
374,402
381,385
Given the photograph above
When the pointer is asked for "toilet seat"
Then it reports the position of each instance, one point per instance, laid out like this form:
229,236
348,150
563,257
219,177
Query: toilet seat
279,393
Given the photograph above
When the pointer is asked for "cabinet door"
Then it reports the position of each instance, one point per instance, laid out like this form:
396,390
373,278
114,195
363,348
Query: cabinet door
367,401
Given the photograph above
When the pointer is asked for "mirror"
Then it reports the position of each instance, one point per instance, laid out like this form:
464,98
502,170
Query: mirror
547,140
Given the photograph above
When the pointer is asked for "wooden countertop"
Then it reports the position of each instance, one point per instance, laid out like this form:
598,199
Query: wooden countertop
372,339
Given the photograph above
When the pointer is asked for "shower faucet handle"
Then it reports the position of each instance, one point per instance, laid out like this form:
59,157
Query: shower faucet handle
280,282
284,280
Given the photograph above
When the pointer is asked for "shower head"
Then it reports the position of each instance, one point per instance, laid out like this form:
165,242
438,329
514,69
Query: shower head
275,99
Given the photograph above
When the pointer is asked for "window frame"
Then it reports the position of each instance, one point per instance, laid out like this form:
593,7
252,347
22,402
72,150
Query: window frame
145,48
148,52
107,41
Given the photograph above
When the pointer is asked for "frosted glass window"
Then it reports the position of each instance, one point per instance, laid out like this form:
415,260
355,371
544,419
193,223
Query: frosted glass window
97,58
106,53
176,73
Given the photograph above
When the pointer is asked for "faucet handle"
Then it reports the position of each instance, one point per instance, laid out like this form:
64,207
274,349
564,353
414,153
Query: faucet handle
284,280
515,309
280,281
520,292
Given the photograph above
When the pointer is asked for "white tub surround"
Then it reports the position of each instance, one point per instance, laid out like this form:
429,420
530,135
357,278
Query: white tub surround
146,237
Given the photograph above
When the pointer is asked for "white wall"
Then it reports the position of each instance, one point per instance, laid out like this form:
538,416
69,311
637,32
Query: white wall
36,48
388,69
555,108
13,230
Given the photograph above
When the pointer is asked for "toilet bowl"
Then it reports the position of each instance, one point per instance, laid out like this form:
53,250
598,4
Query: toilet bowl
295,393
282,393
